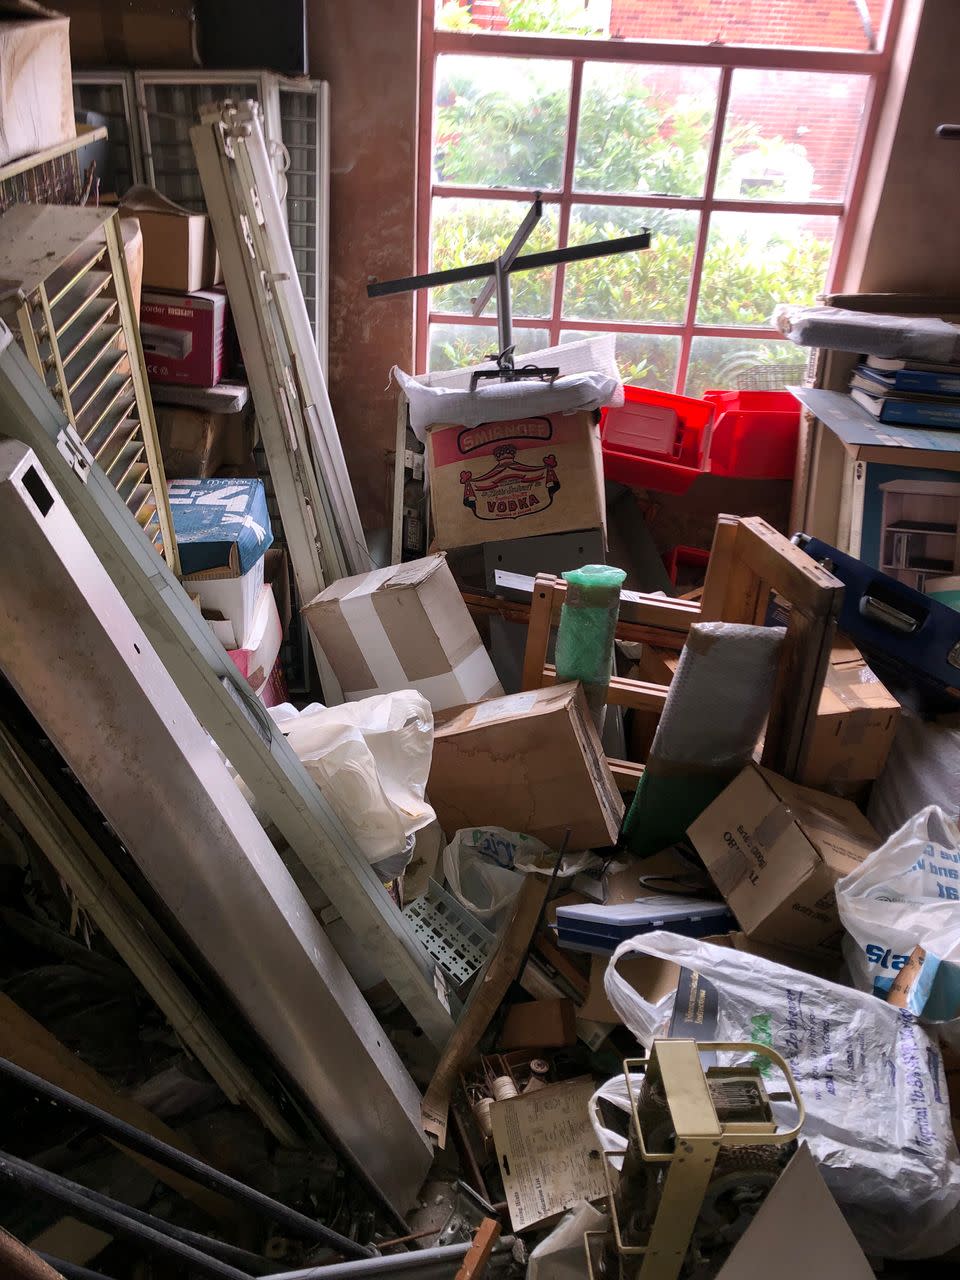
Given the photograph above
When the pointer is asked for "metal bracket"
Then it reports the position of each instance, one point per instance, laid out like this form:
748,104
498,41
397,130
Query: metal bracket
71,447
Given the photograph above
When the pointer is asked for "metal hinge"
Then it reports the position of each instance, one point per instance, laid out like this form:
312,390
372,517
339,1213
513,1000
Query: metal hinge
75,451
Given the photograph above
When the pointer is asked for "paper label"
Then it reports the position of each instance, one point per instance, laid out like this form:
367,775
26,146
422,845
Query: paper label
515,705
548,1152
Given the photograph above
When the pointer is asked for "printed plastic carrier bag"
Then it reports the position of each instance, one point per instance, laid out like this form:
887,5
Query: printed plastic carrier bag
872,1082
904,895
484,867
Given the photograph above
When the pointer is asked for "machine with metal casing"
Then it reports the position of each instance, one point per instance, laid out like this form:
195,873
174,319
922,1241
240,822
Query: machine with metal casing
704,1148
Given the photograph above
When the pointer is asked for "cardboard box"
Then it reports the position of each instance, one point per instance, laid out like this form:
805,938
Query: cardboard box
515,479
133,253
118,33
775,850
856,722
403,627
230,604
182,335
539,1024
257,656
179,252
195,443
222,526
530,762
36,83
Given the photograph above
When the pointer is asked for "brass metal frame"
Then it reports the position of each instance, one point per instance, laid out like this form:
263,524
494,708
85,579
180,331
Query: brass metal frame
700,1136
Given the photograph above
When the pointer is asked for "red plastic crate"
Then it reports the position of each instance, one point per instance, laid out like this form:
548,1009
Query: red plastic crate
755,434
643,468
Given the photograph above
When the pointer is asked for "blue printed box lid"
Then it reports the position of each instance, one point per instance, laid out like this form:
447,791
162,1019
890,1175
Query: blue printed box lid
222,526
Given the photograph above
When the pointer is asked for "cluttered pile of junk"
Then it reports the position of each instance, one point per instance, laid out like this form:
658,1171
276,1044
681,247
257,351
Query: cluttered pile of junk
467,905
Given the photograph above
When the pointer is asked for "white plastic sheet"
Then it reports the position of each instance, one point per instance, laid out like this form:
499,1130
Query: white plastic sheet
907,894
494,401
872,1081
371,760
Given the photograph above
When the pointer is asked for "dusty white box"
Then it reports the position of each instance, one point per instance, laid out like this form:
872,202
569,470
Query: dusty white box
403,627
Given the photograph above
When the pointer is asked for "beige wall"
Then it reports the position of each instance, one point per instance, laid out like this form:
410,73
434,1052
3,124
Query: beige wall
368,51
908,239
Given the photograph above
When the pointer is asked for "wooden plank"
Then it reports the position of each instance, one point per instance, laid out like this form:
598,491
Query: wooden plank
784,567
29,1045
796,692
474,1265
626,774
485,999
86,133
538,632
732,591
482,605
17,1262
623,692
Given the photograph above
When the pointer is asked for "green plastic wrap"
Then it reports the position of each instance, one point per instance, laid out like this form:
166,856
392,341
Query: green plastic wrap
588,621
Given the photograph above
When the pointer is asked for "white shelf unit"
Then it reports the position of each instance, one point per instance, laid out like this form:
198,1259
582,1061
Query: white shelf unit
920,530
151,113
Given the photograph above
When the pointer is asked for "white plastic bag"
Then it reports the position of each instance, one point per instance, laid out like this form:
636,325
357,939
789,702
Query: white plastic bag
907,894
872,1080
484,867
371,760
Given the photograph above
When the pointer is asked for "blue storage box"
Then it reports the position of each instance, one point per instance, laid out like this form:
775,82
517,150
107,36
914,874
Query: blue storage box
222,526
600,929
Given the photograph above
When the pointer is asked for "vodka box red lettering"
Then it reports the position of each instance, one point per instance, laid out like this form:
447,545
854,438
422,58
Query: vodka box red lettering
516,478
182,335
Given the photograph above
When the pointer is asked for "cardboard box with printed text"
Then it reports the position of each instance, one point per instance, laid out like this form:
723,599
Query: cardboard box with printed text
515,479
775,850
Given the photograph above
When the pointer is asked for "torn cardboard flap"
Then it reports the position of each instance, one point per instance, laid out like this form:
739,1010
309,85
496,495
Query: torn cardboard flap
143,199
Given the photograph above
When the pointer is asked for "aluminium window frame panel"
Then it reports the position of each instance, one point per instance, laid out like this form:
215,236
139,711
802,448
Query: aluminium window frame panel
86,670
219,696
122,80
268,87
318,508
240,136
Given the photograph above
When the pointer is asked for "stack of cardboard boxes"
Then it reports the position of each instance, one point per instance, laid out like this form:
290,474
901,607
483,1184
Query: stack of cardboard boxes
184,329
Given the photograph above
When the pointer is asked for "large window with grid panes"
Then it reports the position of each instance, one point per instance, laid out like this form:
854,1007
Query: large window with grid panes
736,130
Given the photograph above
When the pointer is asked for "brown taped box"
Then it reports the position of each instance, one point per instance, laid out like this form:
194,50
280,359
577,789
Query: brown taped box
519,478
133,33
403,627
196,444
530,762
775,850
179,253
539,1024
855,726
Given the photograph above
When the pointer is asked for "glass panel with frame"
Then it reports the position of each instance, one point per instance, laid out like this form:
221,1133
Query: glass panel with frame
467,231
500,122
796,24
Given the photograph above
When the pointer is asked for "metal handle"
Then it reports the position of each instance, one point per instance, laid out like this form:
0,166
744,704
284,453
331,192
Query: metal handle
885,615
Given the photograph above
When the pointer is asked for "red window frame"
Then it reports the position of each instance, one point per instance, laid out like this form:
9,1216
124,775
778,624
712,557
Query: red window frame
875,64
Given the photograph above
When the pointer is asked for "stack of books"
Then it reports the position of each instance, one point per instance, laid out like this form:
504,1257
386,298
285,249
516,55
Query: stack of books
911,393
